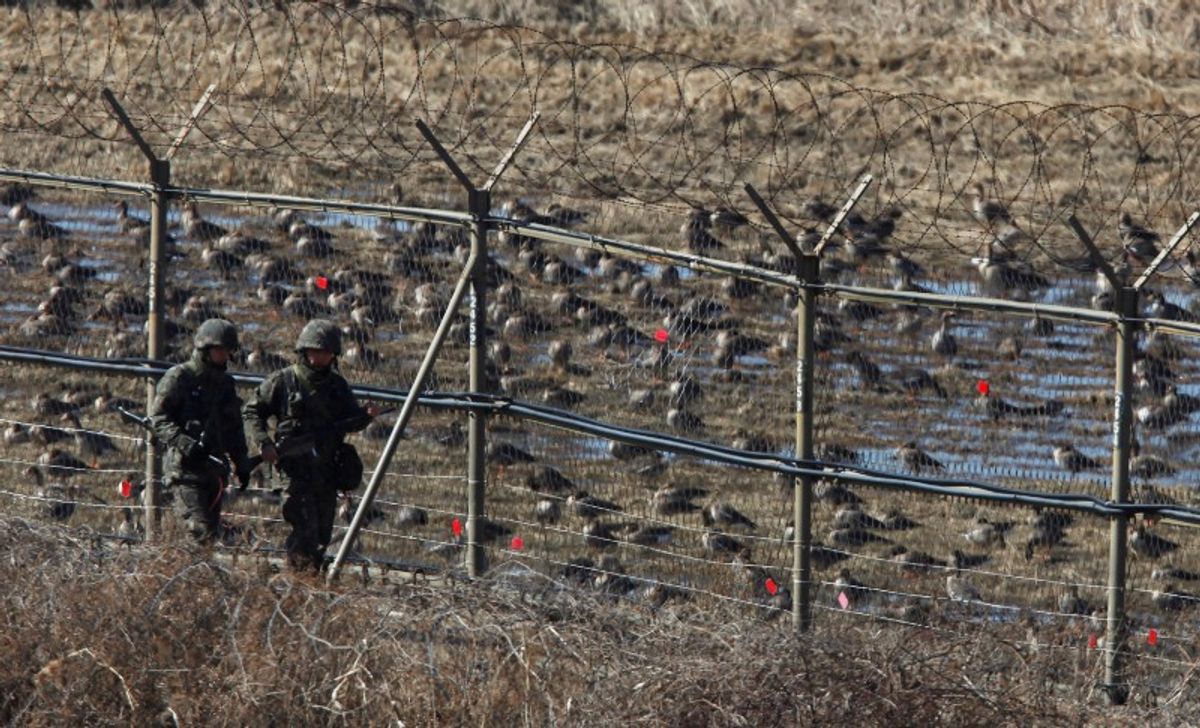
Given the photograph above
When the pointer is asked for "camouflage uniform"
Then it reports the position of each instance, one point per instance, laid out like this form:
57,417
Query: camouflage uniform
196,413
307,402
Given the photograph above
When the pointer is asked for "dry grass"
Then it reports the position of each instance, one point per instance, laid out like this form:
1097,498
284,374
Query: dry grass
96,636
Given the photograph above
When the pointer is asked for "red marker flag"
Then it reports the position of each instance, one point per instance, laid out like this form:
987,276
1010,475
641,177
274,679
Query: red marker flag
518,543
456,527
1093,643
1152,637
982,386
661,336
322,282
125,488
772,587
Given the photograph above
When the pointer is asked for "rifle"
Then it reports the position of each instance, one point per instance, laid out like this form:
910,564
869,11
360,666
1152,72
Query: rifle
287,448
300,444
144,422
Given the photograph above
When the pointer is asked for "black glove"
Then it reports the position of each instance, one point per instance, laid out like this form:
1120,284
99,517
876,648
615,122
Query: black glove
243,474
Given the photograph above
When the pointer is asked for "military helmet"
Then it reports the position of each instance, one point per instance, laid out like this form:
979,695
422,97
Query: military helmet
216,332
320,334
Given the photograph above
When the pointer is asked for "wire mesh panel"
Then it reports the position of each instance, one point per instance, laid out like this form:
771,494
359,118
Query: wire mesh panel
67,257
417,518
1161,603
642,343
969,397
891,565
634,522
67,458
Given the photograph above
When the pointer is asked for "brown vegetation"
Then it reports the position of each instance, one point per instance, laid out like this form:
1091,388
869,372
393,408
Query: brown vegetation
96,636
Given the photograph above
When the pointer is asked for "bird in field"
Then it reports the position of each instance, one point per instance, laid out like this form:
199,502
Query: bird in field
1073,461
504,454
58,500
855,591
196,227
959,589
943,341
1139,242
987,210
987,533
60,463
588,506
671,500
1149,544
724,515
722,544
854,537
548,479
93,445
914,563
1167,572
916,459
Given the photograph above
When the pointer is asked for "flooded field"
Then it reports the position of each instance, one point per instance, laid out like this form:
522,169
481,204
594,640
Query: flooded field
634,345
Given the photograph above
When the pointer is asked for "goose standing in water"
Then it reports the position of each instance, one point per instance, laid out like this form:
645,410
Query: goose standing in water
34,224
197,228
943,342
1001,278
130,224
1073,461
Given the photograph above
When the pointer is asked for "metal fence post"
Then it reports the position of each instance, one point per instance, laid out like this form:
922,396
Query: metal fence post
1127,308
808,270
480,202
160,177
806,314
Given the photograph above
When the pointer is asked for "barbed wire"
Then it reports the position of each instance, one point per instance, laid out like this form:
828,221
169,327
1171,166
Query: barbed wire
333,93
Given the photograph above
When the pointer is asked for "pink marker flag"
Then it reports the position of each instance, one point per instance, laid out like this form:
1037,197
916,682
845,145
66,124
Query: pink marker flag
843,600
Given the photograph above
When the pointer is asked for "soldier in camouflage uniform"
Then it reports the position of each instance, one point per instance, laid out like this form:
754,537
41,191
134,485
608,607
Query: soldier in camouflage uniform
196,414
307,399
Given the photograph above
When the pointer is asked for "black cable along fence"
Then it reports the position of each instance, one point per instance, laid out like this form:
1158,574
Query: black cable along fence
953,483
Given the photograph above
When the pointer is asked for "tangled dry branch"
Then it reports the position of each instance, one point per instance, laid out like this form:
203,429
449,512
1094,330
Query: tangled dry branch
98,636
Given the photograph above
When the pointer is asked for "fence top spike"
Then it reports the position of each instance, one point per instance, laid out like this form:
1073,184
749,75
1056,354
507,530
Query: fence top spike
1177,238
840,217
